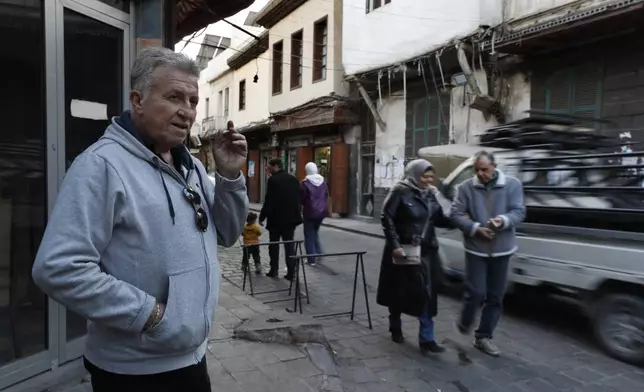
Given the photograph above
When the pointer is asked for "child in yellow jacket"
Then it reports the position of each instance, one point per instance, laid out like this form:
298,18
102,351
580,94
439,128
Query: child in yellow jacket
251,235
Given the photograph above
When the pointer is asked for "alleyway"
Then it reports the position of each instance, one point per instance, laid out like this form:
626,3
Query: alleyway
546,347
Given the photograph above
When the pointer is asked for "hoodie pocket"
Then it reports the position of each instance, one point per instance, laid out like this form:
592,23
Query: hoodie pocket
183,326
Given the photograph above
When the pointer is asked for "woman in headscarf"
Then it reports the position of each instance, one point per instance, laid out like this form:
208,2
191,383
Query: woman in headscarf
410,270
313,195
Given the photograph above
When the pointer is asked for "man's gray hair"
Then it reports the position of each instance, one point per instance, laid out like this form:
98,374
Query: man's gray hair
484,154
150,59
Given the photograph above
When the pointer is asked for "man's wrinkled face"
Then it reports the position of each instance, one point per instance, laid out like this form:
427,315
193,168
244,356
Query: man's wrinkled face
485,170
167,111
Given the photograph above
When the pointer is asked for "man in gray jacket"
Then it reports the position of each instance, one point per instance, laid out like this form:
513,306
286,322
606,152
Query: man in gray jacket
131,244
487,208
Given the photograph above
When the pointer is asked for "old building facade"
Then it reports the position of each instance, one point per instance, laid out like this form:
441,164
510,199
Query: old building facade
450,71
309,117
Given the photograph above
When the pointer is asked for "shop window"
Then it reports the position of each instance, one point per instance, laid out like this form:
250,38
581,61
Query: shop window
242,94
278,67
23,183
575,91
427,124
320,32
297,48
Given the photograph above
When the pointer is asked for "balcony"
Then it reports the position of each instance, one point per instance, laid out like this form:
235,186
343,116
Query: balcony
211,124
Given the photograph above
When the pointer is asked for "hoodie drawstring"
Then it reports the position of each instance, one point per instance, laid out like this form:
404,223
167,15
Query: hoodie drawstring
204,191
165,187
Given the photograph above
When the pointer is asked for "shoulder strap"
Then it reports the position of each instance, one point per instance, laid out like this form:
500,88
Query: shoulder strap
428,221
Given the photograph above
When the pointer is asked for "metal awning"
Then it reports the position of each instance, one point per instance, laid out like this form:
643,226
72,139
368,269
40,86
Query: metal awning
326,110
571,23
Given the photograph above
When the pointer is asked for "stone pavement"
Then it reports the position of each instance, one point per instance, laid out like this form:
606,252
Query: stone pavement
546,346
247,366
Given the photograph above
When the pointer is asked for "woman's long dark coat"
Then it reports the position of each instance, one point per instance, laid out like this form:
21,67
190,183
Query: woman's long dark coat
409,288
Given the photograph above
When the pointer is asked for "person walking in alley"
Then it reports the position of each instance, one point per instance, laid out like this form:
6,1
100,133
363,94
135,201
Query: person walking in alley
131,244
282,212
314,195
251,235
410,269
487,209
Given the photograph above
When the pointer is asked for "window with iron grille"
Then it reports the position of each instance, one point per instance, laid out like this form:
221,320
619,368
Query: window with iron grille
278,67
575,91
297,50
320,32
427,123
242,94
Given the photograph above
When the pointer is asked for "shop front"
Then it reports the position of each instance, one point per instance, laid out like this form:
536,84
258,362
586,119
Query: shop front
327,149
66,72
67,65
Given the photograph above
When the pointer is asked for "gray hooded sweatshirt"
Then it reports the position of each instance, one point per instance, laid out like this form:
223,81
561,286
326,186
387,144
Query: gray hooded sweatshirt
122,236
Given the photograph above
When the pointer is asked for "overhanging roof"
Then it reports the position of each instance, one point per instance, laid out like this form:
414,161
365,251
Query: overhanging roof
570,24
249,52
277,10
193,15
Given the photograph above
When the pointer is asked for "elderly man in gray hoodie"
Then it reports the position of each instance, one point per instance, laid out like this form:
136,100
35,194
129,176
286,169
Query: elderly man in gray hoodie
487,208
131,244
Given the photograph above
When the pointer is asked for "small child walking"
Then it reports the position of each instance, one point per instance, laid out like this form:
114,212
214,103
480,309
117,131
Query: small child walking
251,235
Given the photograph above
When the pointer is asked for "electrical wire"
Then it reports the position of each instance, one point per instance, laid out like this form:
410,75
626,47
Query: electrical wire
205,4
267,59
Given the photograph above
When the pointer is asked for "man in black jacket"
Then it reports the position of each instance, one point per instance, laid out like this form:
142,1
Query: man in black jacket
283,211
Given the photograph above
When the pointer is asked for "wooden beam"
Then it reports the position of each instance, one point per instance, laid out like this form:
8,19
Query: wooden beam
372,107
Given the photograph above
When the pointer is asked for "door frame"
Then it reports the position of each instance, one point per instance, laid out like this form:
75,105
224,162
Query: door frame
58,350
73,349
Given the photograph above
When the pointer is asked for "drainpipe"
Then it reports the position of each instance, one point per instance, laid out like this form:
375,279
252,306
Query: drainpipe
467,71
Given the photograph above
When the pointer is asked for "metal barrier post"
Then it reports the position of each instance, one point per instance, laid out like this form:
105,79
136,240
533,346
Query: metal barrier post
359,266
248,274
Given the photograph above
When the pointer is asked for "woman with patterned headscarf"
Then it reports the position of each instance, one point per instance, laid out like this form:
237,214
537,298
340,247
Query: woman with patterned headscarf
410,271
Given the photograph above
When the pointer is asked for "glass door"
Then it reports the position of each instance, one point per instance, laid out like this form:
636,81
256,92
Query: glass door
94,65
24,324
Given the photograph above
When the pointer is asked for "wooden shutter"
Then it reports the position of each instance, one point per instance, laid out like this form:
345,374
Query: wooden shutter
586,91
575,91
443,137
558,92
304,156
420,125
409,135
340,177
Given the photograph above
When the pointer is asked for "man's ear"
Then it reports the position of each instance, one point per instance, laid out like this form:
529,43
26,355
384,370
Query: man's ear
136,101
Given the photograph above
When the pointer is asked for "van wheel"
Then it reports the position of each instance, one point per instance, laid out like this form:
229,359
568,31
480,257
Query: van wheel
619,326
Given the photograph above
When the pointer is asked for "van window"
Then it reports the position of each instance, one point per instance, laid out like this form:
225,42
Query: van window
465,174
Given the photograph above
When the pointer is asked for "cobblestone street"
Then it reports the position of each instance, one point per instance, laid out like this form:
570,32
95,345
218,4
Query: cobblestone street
546,346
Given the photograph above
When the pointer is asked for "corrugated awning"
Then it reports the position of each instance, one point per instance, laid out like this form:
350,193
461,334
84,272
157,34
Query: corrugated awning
568,24
193,15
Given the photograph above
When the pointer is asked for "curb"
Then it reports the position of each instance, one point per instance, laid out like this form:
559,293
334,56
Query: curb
338,227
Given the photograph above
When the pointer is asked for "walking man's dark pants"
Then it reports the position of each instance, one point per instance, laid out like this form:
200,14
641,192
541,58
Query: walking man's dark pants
193,378
486,281
281,234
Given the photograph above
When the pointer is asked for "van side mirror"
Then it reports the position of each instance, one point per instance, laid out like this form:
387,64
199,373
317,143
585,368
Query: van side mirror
440,185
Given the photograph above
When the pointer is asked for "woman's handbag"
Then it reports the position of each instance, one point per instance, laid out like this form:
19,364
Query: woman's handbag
412,252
